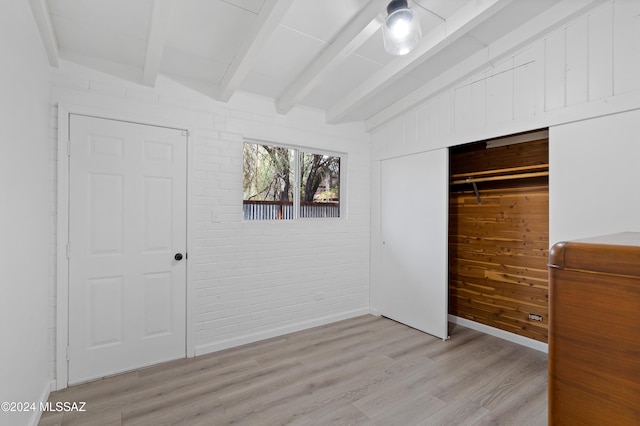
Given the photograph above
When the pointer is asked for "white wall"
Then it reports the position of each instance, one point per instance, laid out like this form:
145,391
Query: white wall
24,220
589,68
594,187
248,280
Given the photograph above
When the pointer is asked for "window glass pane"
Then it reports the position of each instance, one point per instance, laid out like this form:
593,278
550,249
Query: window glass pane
268,182
319,185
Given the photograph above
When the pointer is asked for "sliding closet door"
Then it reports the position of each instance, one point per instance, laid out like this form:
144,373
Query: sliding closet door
413,236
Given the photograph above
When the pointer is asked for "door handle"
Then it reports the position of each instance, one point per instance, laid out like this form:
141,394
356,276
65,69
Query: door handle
178,257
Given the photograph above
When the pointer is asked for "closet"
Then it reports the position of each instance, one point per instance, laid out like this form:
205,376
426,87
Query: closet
499,233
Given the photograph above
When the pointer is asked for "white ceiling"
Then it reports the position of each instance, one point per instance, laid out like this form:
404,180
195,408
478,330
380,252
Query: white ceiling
326,54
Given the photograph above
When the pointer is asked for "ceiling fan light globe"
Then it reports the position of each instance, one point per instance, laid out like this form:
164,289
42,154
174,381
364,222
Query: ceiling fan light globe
401,32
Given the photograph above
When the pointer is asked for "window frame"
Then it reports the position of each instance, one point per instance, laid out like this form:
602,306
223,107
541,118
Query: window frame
297,150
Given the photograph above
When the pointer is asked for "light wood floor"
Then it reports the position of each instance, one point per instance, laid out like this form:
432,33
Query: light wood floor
362,371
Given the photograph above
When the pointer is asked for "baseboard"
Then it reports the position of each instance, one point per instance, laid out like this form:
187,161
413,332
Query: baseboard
255,337
511,337
44,397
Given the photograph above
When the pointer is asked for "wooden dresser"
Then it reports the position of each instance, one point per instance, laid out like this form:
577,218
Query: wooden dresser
594,331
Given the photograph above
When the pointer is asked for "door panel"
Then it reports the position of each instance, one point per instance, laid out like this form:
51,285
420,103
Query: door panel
105,218
413,220
104,325
127,219
157,214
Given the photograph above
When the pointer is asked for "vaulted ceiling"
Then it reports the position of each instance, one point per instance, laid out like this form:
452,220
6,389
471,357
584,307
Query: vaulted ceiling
326,54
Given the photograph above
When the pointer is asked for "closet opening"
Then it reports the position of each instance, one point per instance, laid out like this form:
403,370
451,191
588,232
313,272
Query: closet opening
499,233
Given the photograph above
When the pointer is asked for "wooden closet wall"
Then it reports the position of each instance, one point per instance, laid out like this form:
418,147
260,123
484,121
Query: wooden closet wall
498,249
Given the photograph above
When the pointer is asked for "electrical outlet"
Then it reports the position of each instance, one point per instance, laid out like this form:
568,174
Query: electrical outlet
535,317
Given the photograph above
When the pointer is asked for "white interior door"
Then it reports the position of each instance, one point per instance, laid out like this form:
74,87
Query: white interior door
414,254
127,221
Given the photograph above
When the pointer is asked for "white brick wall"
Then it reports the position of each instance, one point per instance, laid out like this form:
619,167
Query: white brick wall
248,280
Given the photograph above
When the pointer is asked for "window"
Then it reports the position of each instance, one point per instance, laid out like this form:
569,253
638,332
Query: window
319,185
271,175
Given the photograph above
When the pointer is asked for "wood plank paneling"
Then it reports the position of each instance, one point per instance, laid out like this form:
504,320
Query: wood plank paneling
601,51
478,114
558,78
499,98
498,250
578,62
462,107
626,49
475,157
555,71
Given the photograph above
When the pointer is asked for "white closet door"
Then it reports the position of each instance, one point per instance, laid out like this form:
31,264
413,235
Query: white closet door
414,255
127,222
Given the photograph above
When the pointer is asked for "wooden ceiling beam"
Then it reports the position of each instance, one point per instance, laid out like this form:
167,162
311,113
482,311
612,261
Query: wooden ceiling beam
42,16
556,16
158,32
359,30
465,19
265,24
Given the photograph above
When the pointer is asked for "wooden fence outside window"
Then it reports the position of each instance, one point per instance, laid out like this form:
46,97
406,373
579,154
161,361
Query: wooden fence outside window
277,210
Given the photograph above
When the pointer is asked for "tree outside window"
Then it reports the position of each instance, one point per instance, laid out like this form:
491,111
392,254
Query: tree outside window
319,185
269,180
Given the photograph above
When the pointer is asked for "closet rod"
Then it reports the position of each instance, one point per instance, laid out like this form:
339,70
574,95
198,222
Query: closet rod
509,170
502,177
